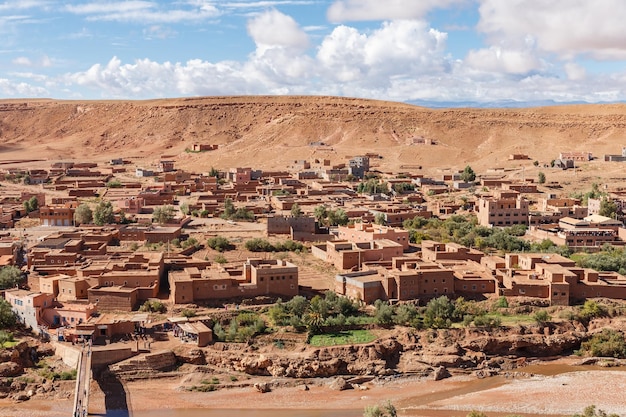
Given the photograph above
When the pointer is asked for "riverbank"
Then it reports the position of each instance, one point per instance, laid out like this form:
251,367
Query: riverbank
555,388
565,393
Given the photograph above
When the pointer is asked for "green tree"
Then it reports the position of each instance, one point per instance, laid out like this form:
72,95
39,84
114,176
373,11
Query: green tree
229,209
10,276
380,219
468,174
243,214
296,211
184,208
337,217
608,208
7,316
103,213
259,245
214,173
314,321
219,243
31,204
541,177
320,213
163,214
439,313
384,312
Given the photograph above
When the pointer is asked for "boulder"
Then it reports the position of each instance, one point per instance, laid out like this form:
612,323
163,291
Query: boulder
339,384
8,369
193,356
440,373
262,387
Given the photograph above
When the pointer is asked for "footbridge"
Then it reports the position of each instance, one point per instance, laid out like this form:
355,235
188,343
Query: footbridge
83,381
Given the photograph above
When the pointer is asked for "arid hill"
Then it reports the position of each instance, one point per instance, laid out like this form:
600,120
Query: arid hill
272,132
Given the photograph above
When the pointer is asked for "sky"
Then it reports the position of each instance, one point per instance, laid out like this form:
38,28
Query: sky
424,51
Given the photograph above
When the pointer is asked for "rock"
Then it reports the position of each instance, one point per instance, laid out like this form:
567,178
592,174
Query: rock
8,369
262,387
193,356
303,387
21,397
18,385
440,373
339,384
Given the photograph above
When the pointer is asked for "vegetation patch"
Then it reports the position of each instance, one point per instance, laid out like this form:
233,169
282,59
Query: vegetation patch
345,337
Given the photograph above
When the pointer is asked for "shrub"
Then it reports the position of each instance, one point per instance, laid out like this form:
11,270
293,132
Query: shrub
591,411
6,337
541,317
187,312
220,244
502,302
609,343
384,313
154,306
487,321
591,310
259,245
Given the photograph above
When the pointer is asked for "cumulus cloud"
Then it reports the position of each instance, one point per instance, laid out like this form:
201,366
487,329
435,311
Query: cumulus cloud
500,60
347,10
564,27
398,48
12,89
275,29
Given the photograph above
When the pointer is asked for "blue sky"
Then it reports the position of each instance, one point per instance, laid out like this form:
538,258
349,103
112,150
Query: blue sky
448,51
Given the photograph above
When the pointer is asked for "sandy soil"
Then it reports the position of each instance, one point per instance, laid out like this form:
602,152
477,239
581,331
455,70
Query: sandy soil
533,396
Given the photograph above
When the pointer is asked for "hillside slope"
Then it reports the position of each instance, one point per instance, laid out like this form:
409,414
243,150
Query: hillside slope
271,132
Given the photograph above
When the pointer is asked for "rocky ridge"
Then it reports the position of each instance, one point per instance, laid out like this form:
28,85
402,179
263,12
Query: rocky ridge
269,132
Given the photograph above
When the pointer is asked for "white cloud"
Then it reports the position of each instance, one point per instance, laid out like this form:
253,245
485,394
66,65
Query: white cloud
564,27
22,61
143,12
404,48
346,10
500,60
159,32
12,89
574,71
23,4
275,29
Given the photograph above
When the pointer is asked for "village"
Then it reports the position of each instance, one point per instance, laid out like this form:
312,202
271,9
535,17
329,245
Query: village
97,242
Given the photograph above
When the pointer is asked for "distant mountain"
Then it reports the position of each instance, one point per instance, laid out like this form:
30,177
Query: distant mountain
502,104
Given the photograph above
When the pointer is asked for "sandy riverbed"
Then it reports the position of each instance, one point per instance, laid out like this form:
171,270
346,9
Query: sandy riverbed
538,395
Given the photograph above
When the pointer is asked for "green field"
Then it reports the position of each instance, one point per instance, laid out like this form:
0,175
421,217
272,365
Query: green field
347,337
